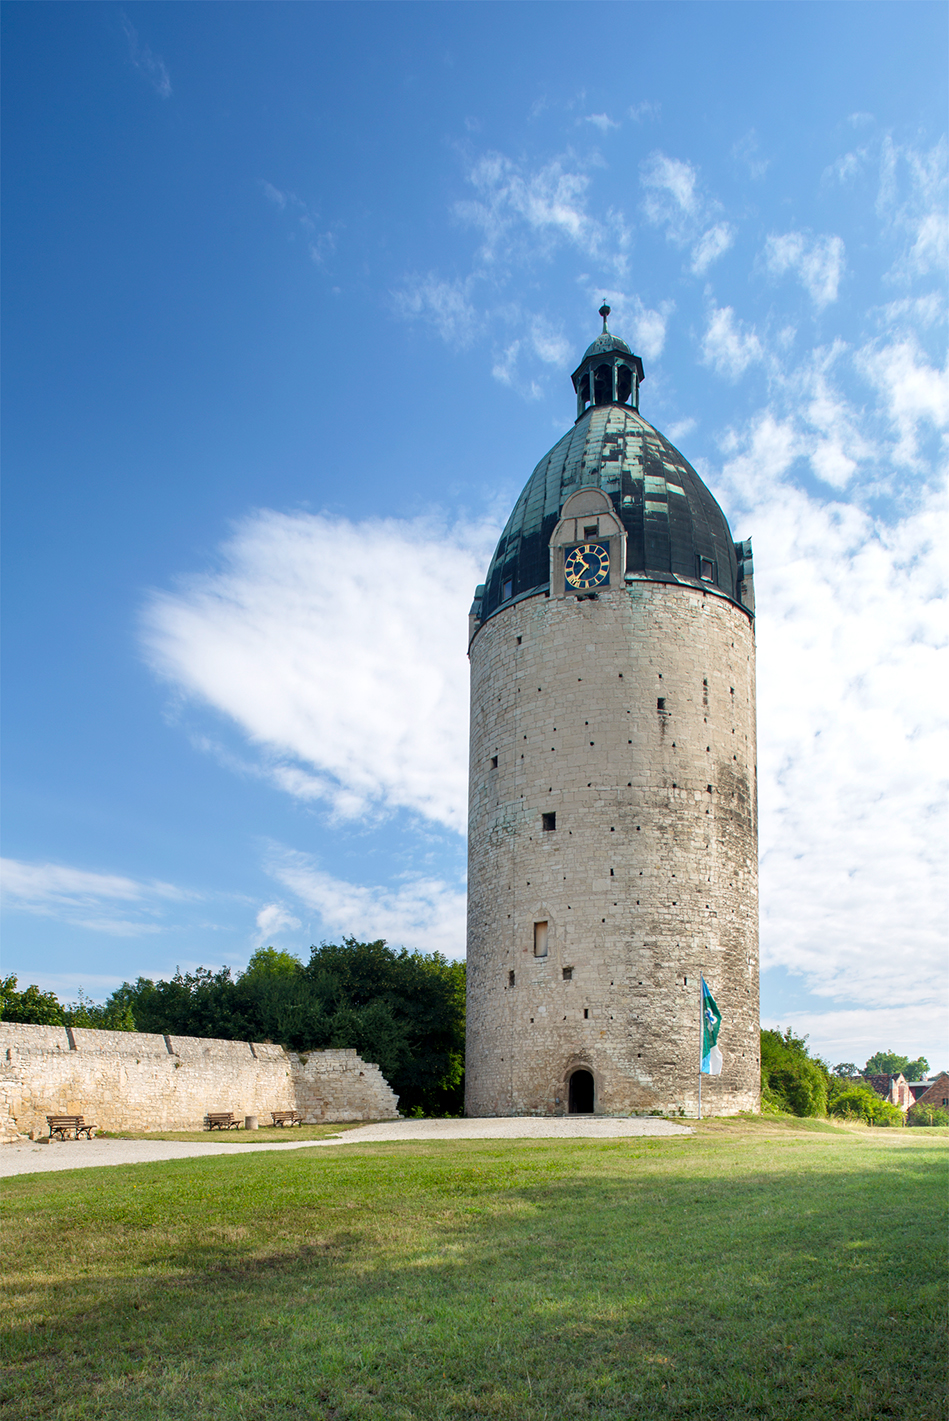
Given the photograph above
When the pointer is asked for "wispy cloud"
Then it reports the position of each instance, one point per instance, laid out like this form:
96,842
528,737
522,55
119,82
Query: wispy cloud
444,305
818,263
103,902
912,203
675,200
645,109
745,151
320,240
151,65
349,692
422,914
523,213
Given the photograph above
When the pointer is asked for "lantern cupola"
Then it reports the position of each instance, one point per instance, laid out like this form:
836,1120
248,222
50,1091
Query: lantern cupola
608,374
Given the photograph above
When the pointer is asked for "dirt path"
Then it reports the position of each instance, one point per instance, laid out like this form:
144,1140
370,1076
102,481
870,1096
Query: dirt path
33,1157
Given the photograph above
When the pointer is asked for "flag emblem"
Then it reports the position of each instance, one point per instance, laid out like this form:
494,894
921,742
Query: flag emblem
711,1021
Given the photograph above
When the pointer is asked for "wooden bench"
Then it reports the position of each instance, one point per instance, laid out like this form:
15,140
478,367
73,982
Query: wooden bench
62,1125
222,1120
286,1117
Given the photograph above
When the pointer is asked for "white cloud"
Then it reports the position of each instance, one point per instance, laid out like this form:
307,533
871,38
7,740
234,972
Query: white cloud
818,262
101,902
856,1033
601,121
338,649
644,109
728,347
680,429
422,914
274,919
675,200
851,645
149,64
913,392
445,305
549,343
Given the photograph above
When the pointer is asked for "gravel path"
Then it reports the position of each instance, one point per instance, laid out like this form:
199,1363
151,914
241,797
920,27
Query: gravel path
32,1157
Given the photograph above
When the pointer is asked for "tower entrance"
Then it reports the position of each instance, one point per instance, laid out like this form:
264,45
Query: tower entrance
581,1093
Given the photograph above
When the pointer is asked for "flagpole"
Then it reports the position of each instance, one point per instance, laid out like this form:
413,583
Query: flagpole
701,1040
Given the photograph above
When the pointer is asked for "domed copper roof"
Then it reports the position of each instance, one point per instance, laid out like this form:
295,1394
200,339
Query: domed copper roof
676,531
604,342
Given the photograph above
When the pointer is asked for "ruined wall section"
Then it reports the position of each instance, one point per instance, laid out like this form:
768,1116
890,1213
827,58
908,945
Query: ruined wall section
125,1080
630,717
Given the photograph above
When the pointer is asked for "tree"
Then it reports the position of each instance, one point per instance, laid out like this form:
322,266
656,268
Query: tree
889,1063
791,1079
30,1006
404,1011
847,1070
112,1015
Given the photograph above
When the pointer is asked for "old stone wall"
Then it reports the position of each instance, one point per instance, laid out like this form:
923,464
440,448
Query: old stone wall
129,1080
631,719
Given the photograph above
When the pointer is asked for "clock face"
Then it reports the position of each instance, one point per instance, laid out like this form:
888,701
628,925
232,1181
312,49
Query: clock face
587,566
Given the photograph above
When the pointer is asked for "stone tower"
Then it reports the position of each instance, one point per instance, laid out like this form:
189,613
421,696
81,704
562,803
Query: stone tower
613,804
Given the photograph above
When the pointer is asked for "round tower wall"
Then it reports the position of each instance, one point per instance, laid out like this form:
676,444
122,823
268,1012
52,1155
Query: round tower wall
630,717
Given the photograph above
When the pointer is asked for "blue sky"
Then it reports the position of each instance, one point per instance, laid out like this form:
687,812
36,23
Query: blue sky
292,294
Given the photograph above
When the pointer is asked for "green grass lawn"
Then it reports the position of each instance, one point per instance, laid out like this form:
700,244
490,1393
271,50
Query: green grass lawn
754,1270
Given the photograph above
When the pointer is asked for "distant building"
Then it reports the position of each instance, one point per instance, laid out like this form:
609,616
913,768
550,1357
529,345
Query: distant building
895,1089
938,1091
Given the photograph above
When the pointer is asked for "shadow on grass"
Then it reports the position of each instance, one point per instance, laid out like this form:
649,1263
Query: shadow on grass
483,1284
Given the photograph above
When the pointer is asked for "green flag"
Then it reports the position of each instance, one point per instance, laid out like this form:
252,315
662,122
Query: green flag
711,1021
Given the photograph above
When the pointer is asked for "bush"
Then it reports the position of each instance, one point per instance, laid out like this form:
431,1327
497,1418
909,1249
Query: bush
927,1113
858,1102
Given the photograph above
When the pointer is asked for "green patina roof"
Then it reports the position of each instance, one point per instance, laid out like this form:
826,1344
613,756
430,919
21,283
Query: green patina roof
606,342
671,519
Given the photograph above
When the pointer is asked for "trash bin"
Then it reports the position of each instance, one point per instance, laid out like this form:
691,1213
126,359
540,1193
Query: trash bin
250,1122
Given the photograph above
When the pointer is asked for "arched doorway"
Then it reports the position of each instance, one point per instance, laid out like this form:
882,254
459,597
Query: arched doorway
581,1093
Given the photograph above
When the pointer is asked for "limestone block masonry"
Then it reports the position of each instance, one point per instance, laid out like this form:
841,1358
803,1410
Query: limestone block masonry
129,1080
613,799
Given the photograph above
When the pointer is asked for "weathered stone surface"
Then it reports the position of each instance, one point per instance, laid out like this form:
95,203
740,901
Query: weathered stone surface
125,1080
631,717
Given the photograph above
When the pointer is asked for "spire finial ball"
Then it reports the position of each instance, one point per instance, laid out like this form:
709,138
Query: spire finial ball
604,312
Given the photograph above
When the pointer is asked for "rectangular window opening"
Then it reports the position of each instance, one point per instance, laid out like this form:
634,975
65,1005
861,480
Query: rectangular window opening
507,590
586,1013
592,530
494,762
660,703
707,570
549,822
510,979
568,974
540,939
